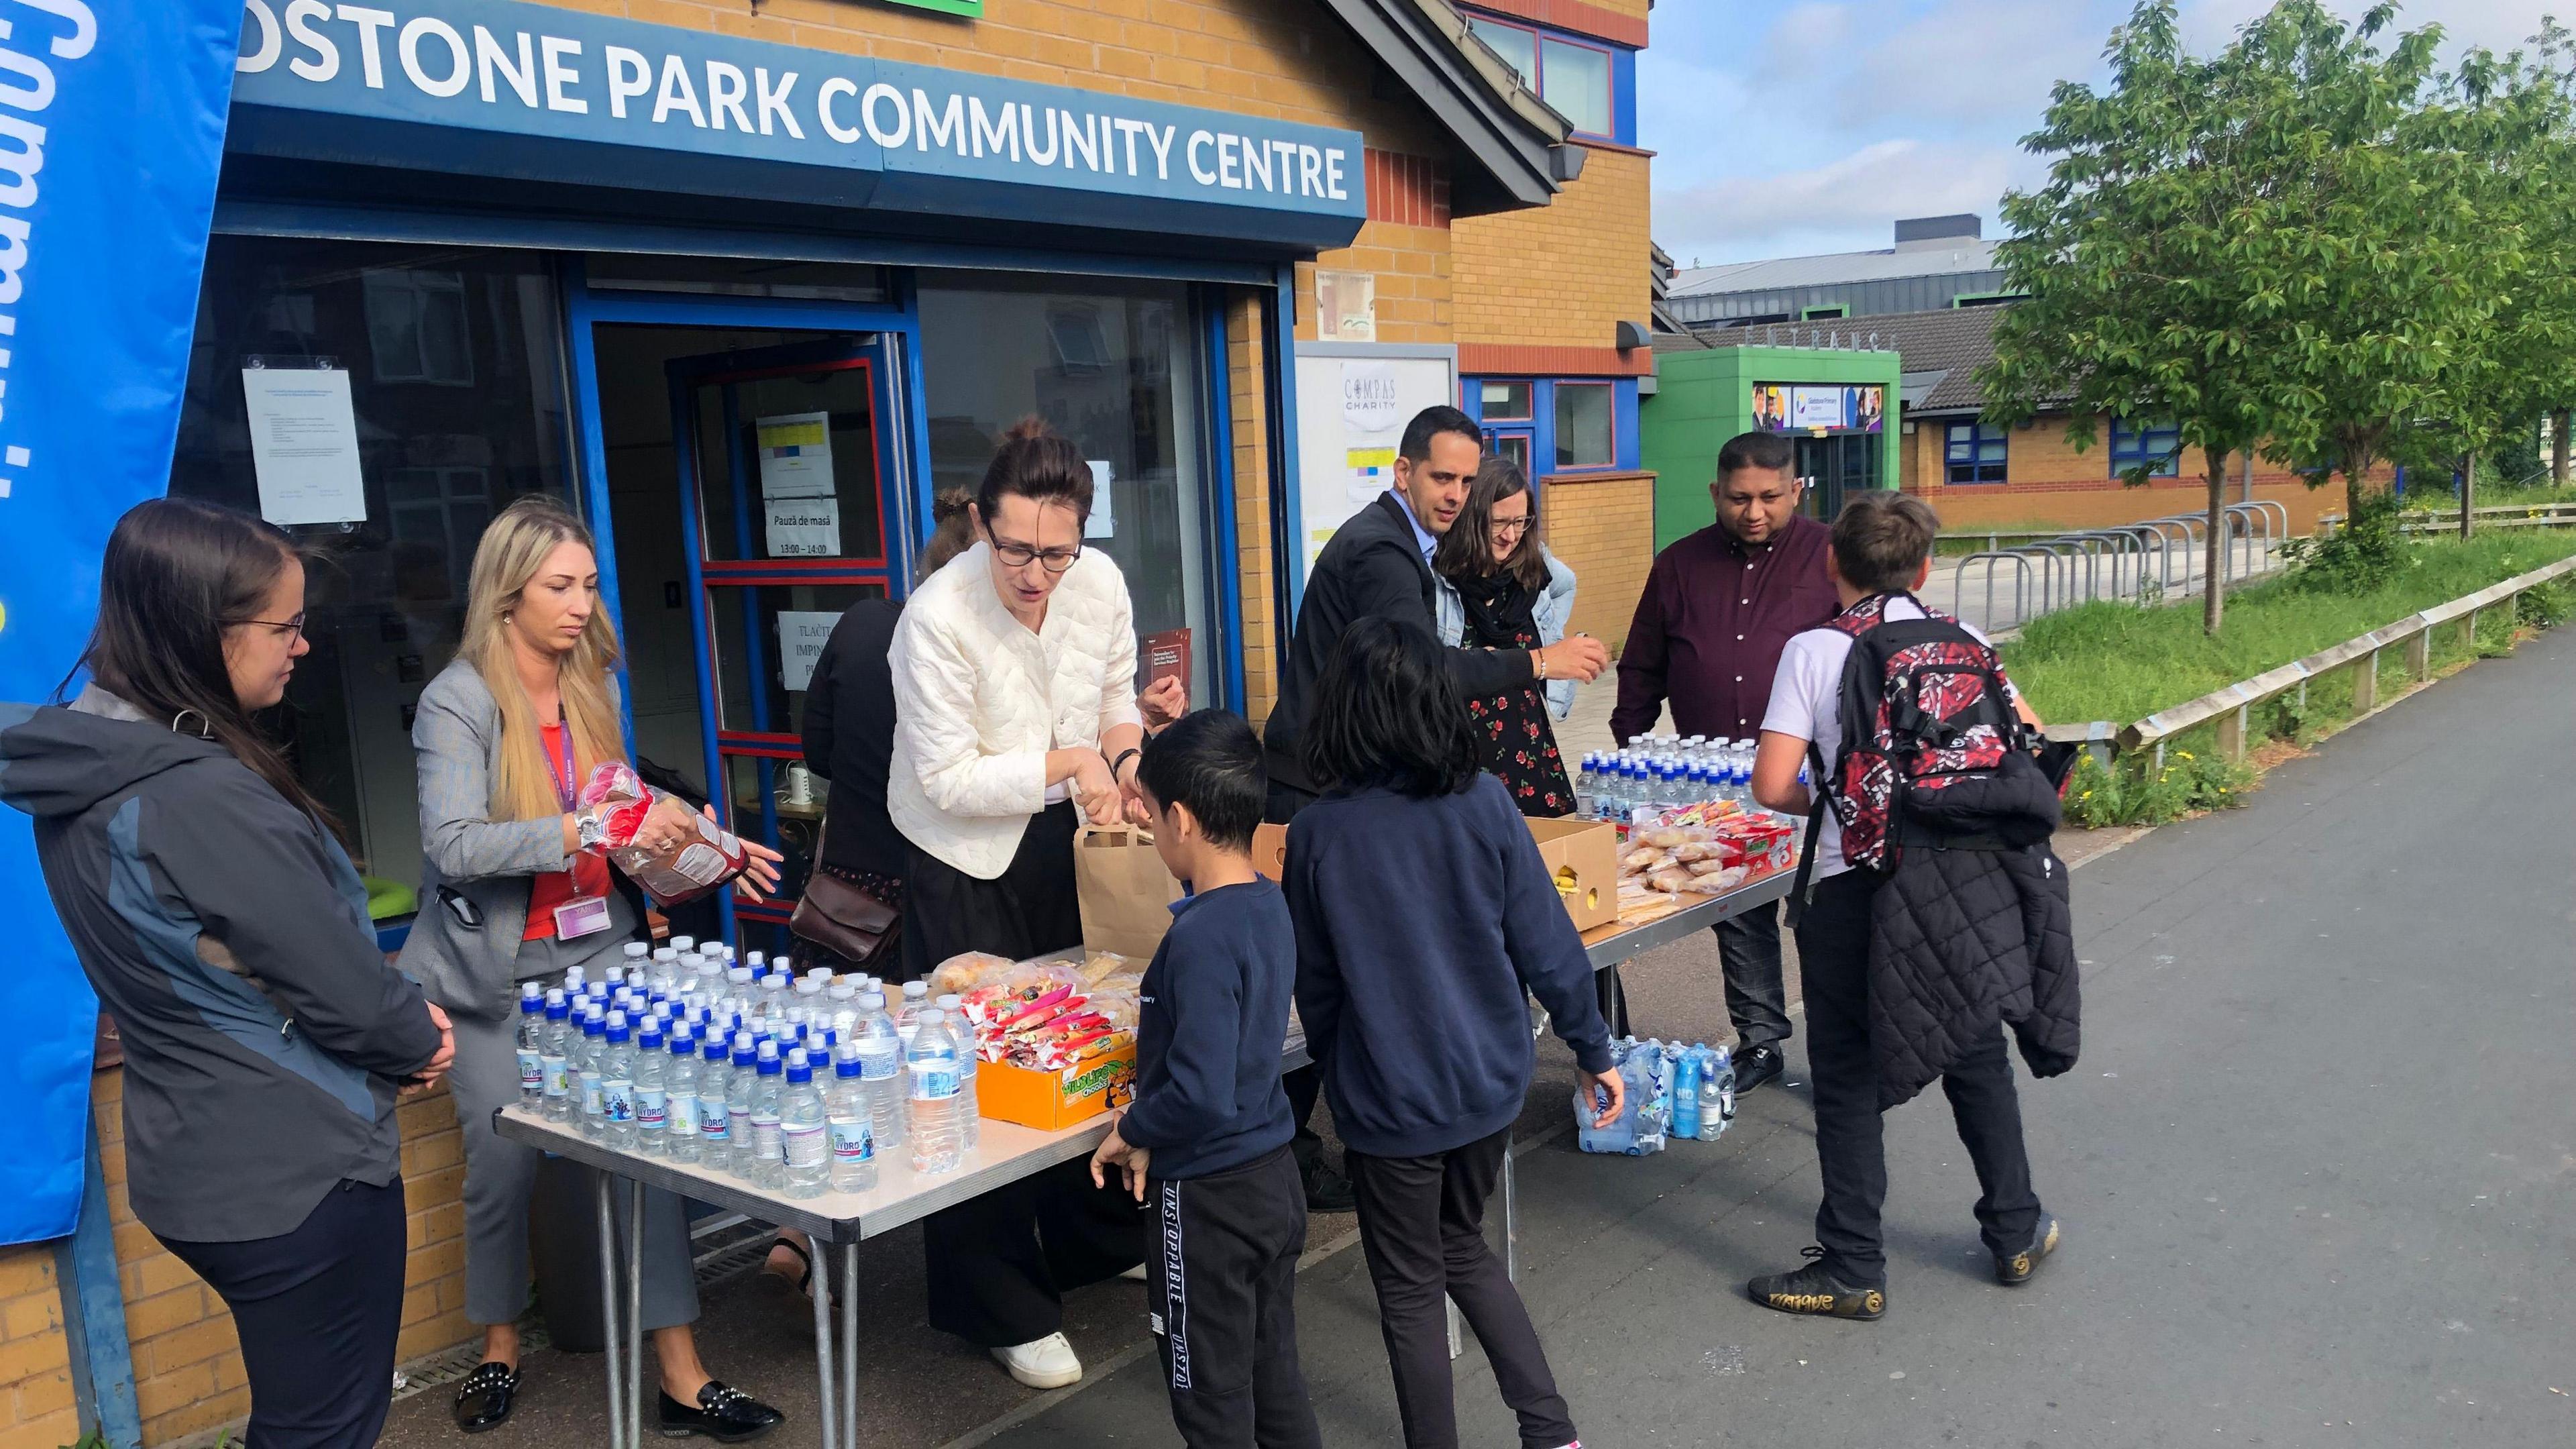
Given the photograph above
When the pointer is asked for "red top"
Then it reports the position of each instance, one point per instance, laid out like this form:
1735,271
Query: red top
587,878
1710,627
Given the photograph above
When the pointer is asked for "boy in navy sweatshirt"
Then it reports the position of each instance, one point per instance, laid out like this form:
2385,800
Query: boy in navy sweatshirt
1208,1131
1423,912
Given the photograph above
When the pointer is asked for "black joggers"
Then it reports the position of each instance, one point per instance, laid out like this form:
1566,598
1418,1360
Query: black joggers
317,1311
1221,1286
1851,1153
1422,1226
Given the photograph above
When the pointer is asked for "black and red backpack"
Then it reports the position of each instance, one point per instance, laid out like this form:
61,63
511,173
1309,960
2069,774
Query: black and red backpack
1925,711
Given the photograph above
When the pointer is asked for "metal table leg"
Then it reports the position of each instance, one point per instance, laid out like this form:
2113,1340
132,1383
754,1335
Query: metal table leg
635,1313
612,1345
825,1358
1511,1217
850,1345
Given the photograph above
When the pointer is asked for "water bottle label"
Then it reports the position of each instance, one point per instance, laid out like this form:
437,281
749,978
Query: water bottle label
764,1138
934,1081
558,1075
617,1100
852,1142
877,1064
652,1109
593,1101
804,1145
532,1072
682,1109
712,1118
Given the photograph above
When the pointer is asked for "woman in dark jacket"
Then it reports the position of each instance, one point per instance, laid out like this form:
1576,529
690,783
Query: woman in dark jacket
216,914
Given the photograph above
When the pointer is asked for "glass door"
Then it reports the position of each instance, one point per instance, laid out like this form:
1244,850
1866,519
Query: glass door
782,460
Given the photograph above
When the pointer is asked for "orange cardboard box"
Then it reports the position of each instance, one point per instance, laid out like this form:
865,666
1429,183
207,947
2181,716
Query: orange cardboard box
1583,856
1049,1100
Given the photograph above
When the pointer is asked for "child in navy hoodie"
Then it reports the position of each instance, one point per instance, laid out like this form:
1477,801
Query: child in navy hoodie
1423,914
1208,1131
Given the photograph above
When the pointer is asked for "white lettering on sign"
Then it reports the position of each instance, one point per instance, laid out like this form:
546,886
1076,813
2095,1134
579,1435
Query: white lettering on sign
76,38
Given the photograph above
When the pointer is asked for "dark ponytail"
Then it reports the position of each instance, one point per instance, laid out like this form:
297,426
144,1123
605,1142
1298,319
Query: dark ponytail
1035,461
176,575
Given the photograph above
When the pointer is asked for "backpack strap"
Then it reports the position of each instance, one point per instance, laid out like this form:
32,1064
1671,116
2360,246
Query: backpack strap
1802,887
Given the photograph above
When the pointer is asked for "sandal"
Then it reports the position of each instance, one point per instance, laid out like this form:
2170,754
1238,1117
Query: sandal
805,1260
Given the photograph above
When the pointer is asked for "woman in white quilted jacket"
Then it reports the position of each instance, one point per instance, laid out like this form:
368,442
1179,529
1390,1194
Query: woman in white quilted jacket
1016,708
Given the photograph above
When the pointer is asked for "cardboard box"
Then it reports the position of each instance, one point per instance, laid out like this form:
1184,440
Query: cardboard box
1583,856
1050,1100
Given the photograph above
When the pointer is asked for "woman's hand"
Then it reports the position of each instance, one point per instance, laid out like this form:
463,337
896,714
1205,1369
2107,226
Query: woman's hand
1164,701
668,823
1578,657
759,880
1095,791
445,1057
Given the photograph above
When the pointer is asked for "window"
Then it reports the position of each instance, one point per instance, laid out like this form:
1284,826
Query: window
1818,314
2155,448
1976,453
416,327
1586,432
1572,77
1505,402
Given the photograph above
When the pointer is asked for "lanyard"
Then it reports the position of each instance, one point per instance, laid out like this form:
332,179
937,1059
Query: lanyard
564,784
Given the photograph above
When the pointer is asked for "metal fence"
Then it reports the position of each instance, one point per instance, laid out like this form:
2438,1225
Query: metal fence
2142,562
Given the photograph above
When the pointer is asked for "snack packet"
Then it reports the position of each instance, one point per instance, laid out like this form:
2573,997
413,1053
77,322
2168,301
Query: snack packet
693,867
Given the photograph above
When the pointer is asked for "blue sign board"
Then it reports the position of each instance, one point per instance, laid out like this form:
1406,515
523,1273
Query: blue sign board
111,133
593,100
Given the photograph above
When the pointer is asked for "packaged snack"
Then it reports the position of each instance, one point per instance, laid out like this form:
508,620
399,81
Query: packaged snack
1643,858
963,973
1671,878
682,872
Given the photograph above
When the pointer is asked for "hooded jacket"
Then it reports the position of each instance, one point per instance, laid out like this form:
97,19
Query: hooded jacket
227,932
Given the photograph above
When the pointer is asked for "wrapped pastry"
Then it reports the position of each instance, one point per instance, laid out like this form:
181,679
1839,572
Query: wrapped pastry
959,975
1672,878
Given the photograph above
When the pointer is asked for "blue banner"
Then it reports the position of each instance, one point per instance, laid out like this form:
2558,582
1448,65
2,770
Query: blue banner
111,134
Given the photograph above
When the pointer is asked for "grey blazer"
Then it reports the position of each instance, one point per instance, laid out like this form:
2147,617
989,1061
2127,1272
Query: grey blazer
471,970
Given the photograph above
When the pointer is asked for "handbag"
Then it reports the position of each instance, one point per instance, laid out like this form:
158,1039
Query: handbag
845,919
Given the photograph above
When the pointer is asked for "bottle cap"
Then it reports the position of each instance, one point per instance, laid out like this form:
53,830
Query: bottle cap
663,953
948,1003
769,1049
531,991
872,1001
768,1063
756,959
798,1071
915,990
683,943
809,987
555,996
683,1043
716,1049
845,1059
821,974
932,1016
651,1035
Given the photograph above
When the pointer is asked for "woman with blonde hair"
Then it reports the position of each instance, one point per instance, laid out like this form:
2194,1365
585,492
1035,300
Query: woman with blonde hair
507,734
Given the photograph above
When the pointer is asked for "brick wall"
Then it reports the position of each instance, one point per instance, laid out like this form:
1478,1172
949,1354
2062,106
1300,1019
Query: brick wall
36,1408
1247,396
2049,484
1416,286
1566,274
1603,526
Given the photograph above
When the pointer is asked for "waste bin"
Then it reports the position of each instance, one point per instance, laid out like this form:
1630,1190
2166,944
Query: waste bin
563,1237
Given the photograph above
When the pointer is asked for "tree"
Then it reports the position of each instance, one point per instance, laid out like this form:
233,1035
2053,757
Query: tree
2155,284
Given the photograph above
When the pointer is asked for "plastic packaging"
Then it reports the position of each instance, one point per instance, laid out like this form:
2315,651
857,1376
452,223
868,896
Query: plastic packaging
674,876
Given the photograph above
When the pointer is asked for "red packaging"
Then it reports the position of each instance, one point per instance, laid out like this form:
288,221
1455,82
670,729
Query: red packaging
692,868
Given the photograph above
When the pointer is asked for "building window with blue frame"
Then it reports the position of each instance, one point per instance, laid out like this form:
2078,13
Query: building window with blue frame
1574,77
2154,449
1976,453
1587,425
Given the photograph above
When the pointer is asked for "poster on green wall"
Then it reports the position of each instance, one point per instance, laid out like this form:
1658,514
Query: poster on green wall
1820,410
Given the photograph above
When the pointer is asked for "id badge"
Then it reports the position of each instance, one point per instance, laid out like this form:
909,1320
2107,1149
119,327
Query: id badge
581,916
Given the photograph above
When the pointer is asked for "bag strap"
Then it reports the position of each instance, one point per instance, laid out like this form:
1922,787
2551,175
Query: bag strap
1802,887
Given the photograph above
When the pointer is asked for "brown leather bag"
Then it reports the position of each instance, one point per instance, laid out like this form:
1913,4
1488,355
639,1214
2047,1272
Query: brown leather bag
844,919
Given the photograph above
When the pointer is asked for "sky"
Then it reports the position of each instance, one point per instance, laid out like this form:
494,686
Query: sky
1788,129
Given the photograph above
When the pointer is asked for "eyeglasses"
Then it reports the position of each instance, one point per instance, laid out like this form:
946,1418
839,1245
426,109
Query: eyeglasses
294,627
1020,555
1513,527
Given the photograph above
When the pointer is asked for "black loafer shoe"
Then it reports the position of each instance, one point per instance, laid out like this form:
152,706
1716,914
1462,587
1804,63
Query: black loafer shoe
1327,1191
725,1415
486,1397
1814,1289
2017,1269
1756,1066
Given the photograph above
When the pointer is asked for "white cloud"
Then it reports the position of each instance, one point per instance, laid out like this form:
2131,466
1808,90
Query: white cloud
1847,204
1967,63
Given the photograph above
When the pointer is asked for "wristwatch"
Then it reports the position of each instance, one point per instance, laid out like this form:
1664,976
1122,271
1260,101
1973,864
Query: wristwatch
590,829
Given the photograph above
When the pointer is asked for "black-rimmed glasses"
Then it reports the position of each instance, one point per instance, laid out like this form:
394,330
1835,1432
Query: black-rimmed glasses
1020,555
294,627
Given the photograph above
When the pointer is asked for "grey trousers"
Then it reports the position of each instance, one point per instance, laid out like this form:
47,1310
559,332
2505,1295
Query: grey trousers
501,1174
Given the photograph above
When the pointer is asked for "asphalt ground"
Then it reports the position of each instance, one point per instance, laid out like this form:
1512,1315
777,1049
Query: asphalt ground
2314,1169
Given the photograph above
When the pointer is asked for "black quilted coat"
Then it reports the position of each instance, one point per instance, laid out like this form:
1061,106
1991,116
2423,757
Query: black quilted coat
1963,938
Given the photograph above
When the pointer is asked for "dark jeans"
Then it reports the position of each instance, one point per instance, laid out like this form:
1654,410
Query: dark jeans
317,1311
1305,1083
1222,1289
1748,947
1833,961
998,1266
1422,1226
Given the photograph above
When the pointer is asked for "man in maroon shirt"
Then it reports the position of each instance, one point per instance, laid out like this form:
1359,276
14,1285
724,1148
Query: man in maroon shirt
1718,608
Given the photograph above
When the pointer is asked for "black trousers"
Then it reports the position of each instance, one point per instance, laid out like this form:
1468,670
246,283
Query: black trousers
998,1267
317,1311
1222,1287
1833,961
1422,1226
1748,948
1305,1083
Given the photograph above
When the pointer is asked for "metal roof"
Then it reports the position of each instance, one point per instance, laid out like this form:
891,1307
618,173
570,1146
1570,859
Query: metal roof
1965,254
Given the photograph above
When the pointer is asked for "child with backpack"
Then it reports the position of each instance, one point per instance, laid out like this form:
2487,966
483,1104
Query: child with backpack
1936,914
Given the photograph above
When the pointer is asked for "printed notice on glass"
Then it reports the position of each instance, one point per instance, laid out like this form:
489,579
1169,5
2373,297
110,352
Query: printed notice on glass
802,633
795,455
304,445
803,527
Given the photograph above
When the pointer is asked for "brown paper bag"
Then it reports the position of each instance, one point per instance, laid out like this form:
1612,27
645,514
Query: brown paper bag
1126,893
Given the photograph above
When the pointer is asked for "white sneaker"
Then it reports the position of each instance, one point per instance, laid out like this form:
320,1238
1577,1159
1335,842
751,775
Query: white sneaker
1135,1274
1045,1363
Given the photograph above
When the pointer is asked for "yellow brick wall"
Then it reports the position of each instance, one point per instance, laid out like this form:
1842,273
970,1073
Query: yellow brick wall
1603,526
36,1408
1415,286
1247,397
1567,273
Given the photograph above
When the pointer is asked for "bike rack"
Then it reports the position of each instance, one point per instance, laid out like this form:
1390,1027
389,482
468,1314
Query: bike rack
2021,584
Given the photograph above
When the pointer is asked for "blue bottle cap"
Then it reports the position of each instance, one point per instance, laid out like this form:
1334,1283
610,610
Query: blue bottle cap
769,1066
716,1049
845,1062
798,1073
617,1034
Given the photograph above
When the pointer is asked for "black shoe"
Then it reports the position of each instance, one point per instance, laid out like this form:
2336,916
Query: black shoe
1756,1066
725,1415
1814,1289
1327,1191
487,1396
2014,1271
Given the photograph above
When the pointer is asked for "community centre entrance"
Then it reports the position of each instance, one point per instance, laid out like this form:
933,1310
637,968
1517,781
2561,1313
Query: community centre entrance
1833,468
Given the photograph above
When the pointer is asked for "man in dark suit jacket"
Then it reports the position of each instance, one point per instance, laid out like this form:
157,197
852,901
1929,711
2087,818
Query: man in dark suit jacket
1379,565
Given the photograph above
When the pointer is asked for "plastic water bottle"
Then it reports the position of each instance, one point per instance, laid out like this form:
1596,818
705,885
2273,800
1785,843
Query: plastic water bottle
553,1062
652,1090
617,1086
715,1118
931,1058
880,1052
916,998
1716,1094
846,1126
531,1044
773,995
680,1129
740,1088
585,1065
805,1152
969,1114
768,1165
1686,1092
